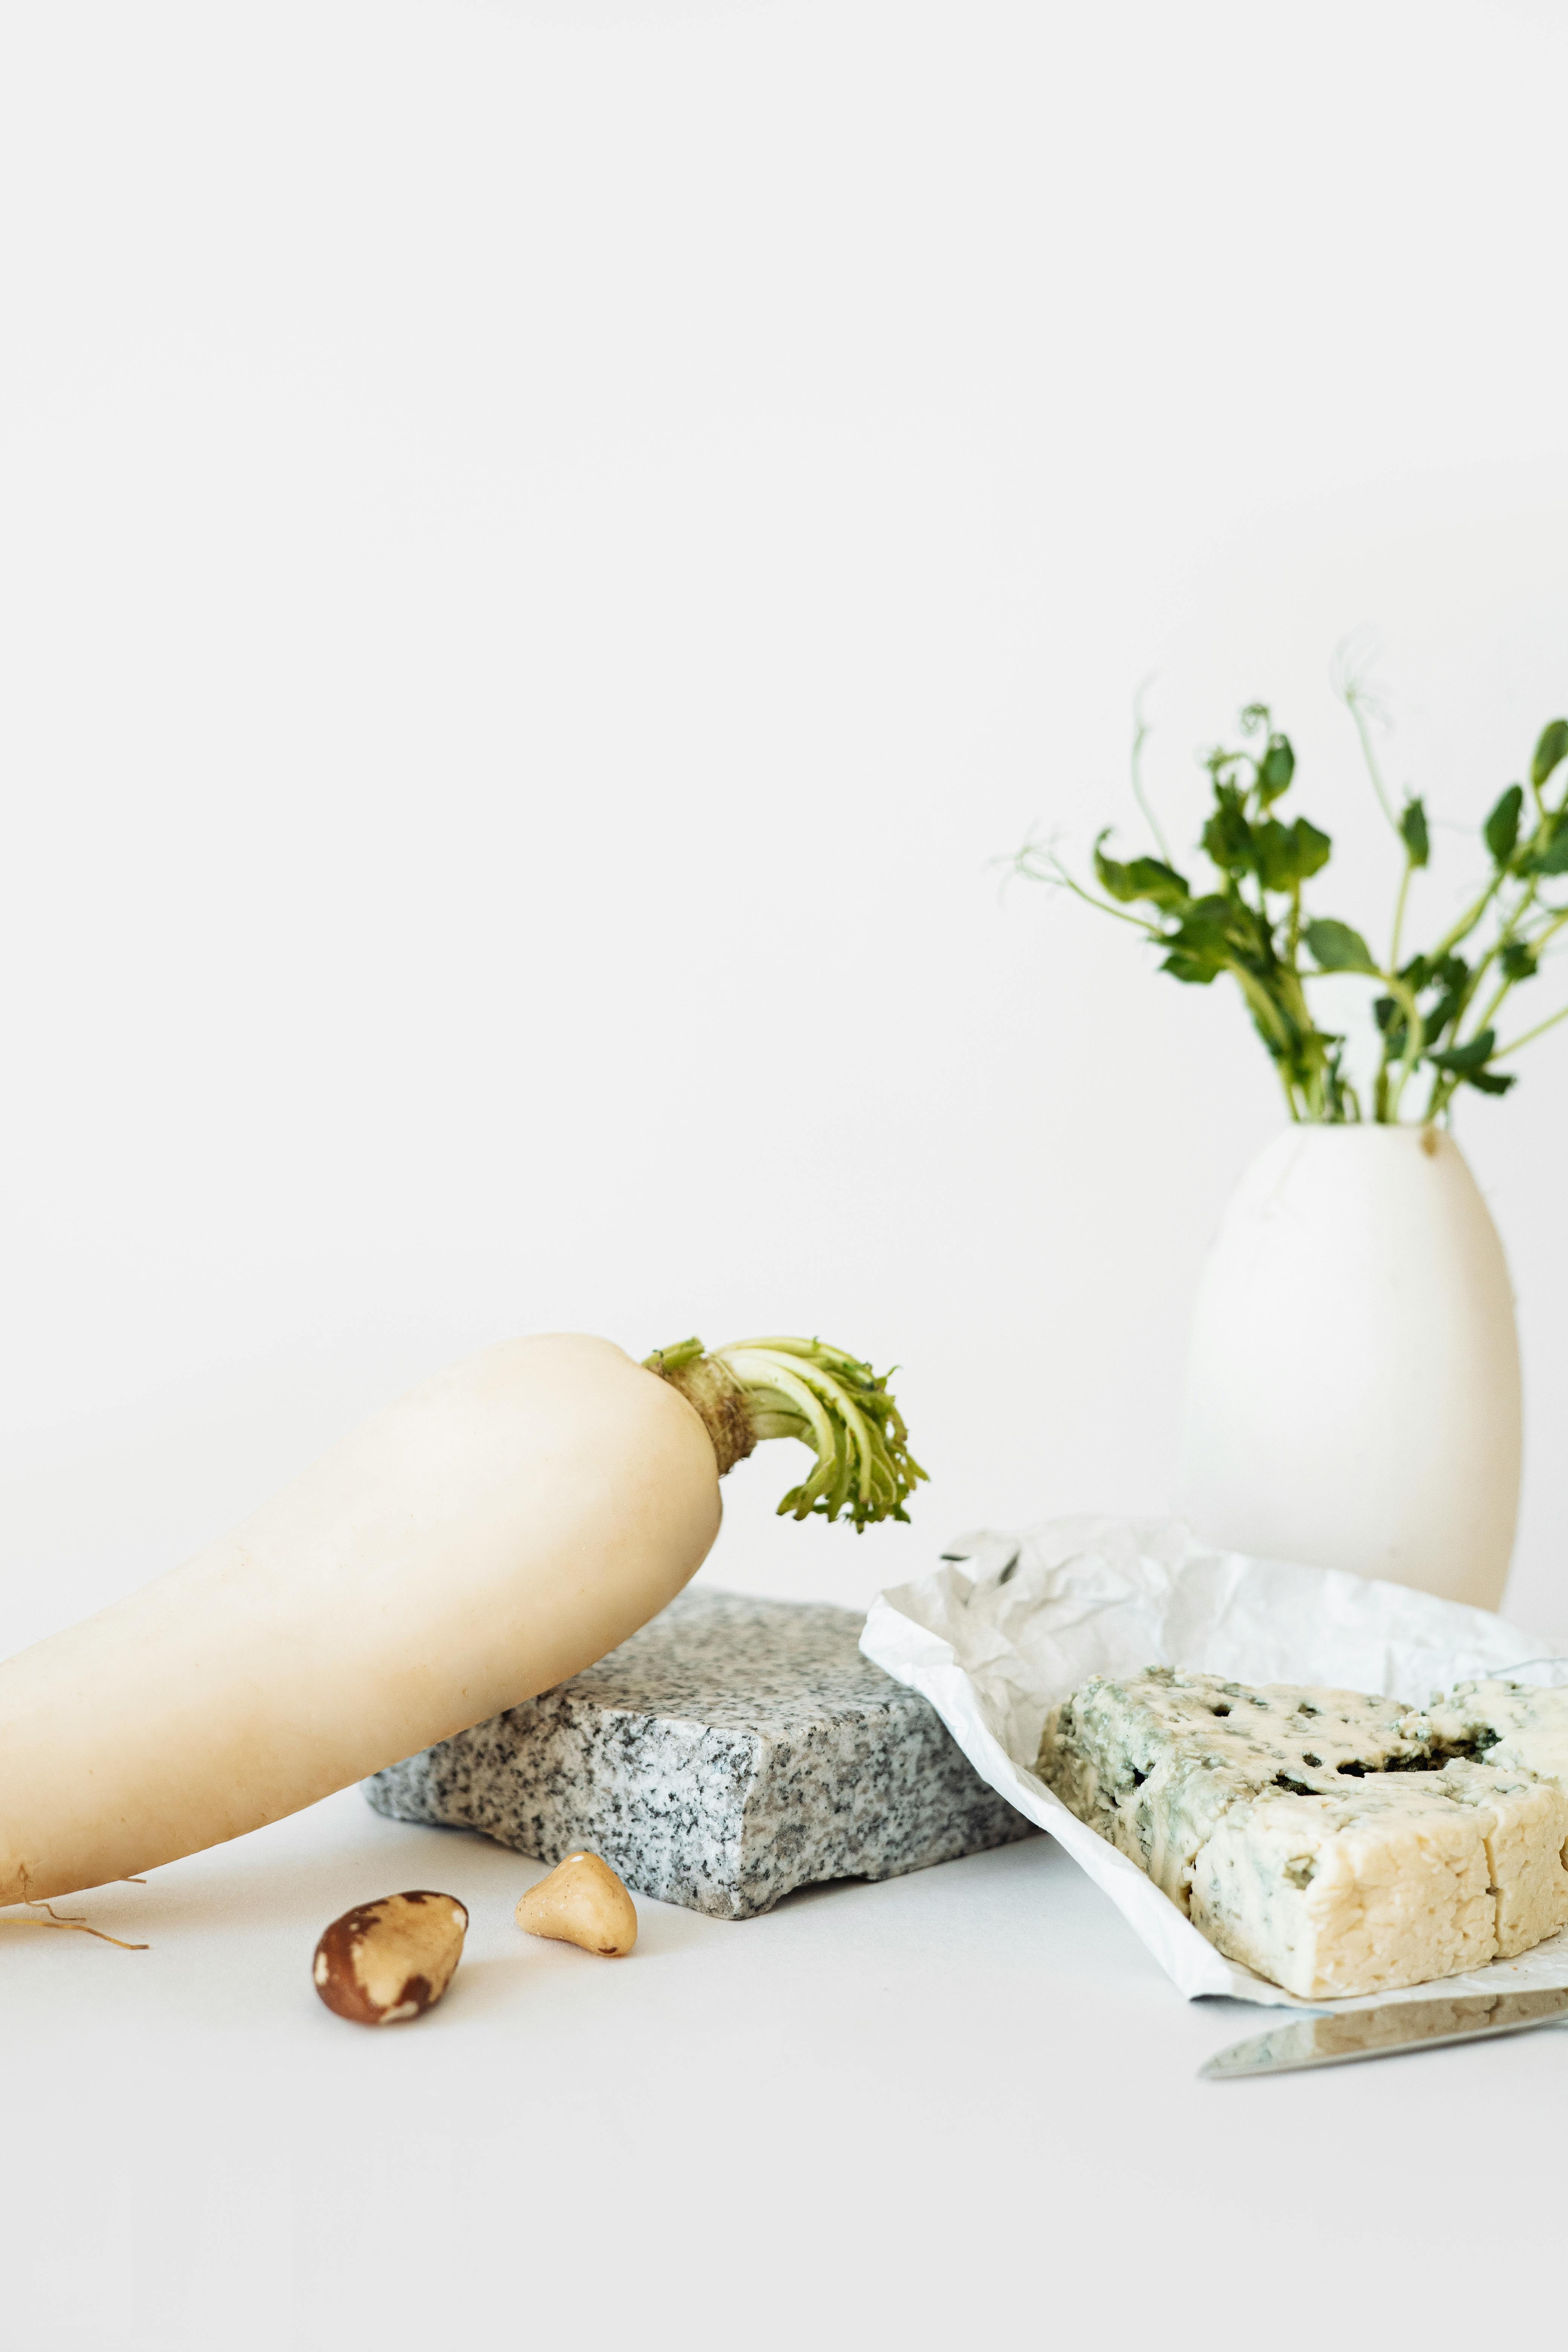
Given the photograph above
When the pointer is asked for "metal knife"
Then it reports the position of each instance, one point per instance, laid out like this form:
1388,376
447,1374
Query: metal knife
1337,2038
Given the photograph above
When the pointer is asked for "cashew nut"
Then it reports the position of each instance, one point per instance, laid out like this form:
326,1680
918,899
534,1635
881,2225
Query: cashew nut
386,1963
582,1902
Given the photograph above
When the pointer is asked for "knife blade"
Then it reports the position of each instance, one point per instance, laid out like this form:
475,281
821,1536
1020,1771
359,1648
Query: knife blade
1339,2037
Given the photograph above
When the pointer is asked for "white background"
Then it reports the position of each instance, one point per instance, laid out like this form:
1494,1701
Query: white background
543,550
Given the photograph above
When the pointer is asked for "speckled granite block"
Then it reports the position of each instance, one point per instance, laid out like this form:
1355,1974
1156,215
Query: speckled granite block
731,1750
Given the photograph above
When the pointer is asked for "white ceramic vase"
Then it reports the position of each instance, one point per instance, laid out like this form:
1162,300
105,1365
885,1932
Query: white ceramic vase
1353,1387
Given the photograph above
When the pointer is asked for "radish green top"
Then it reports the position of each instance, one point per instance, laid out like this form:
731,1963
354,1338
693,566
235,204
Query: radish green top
801,1387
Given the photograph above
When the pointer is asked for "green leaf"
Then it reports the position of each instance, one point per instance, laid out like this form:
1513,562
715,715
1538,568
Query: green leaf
1140,877
1412,832
1517,961
1553,858
1448,976
1337,948
1549,752
1390,1018
1491,1082
1227,836
1160,884
1288,854
1436,1017
1470,1055
1275,769
1216,935
1313,849
1213,912
1501,831
1207,931
1274,854
1196,970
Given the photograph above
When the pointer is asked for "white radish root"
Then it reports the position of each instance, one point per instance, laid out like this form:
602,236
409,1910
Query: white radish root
489,1535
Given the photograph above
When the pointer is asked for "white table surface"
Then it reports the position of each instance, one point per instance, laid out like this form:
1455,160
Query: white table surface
956,2107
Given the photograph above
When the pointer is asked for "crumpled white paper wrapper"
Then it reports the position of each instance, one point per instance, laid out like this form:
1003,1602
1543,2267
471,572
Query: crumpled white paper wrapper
1012,1623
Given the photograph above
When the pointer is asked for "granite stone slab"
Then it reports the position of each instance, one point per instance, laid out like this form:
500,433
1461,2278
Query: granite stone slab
731,1750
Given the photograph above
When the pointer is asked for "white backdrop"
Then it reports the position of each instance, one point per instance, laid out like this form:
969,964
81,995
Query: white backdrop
545,549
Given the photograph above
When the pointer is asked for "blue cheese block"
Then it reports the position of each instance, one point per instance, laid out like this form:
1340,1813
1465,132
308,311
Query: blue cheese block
731,1750
1415,1876
1153,1763
1331,1895
1335,1842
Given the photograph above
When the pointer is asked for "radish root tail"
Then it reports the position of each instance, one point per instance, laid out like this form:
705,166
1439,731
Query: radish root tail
35,1903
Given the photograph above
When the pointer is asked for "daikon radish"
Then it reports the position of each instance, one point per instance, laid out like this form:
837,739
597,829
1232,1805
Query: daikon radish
496,1529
